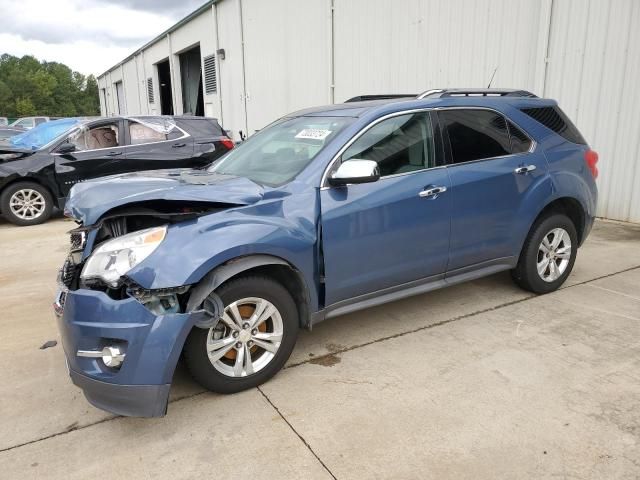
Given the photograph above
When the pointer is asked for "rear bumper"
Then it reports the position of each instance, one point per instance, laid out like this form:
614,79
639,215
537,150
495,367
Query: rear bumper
128,400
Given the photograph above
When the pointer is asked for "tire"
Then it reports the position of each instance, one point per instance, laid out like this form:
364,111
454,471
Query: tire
223,375
549,228
37,197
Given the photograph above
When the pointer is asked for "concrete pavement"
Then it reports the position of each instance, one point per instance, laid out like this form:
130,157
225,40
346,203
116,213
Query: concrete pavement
481,380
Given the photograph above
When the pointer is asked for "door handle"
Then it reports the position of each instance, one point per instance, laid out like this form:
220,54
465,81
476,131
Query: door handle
432,192
113,154
524,170
178,145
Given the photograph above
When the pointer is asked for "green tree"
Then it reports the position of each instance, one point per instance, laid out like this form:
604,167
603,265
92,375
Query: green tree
24,107
30,87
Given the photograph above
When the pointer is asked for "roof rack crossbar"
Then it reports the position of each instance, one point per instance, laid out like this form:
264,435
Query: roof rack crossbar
391,96
475,92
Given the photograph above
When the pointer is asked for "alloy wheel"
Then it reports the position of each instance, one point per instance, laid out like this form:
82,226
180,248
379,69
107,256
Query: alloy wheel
554,254
247,337
27,204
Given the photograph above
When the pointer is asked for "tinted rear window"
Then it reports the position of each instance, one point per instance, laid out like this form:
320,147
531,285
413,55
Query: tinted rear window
475,134
200,127
554,119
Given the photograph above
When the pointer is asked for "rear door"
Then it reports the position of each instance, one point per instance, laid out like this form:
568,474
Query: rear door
157,143
493,165
100,151
390,232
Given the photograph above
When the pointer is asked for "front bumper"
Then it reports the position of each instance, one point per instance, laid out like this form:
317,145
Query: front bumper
127,400
90,320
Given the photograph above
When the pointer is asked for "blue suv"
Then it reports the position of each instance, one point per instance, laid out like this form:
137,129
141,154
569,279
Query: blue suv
326,211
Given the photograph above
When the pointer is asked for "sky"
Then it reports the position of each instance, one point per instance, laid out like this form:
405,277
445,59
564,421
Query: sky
89,36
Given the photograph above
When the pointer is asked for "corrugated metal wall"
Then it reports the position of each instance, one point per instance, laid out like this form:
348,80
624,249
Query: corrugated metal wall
282,55
594,72
413,45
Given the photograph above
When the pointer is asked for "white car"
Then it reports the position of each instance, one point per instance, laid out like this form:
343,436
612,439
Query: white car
29,122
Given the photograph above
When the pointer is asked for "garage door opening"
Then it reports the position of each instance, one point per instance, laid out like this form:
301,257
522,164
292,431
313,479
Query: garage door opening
191,78
164,80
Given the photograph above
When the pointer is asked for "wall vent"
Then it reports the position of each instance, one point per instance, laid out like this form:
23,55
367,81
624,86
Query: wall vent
150,90
210,81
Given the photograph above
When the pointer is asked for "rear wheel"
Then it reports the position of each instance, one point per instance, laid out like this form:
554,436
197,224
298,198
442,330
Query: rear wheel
252,340
26,203
548,254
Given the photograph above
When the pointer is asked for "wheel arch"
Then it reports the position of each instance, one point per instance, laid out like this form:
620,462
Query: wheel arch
569,206
272,266
36,180
572,208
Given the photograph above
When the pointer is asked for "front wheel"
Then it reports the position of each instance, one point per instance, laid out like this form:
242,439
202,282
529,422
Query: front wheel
26,203
548,255
252,340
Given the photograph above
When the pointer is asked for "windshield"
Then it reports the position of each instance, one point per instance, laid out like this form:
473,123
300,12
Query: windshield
277,154
44,133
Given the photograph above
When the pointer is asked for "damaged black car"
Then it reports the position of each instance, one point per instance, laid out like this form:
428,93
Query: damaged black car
39,167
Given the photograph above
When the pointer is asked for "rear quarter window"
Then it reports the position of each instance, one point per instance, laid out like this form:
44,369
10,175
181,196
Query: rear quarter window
555,119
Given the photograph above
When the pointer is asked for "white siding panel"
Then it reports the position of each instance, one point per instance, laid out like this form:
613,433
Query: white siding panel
415,45
231,83
287,57
130,85
593,72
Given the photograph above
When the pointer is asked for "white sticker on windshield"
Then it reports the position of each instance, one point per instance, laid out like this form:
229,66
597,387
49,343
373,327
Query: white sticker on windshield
313,133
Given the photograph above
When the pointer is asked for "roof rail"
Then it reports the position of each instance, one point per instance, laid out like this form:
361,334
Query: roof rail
475,92
366,98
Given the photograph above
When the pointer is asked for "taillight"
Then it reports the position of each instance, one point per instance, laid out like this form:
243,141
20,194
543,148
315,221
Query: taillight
227,142
591,159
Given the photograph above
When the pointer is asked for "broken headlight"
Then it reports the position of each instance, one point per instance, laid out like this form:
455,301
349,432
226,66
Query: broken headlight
116,257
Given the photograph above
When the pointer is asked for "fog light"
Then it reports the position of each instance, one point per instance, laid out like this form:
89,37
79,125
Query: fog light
111,356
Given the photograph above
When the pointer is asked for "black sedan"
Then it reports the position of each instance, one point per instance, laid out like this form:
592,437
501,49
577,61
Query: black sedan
39,167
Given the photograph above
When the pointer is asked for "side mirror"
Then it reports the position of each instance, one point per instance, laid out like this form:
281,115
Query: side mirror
355,171
66,147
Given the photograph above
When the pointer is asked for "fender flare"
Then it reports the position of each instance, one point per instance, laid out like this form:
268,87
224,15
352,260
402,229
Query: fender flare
224,272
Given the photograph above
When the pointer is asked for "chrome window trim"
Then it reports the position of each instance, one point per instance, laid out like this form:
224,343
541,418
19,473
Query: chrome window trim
532,148
324,183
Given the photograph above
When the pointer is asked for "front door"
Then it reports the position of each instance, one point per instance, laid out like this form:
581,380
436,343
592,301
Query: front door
100,151
492,170
383,234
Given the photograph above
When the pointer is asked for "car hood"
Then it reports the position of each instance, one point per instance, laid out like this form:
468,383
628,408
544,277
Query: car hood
90,200
8,152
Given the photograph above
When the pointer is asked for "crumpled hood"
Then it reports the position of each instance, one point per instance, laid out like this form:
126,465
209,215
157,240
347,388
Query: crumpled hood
90,200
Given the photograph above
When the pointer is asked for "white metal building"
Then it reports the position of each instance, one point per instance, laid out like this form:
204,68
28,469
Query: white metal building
247,62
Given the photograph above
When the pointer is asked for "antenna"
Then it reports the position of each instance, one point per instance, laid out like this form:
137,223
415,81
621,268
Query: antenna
492,75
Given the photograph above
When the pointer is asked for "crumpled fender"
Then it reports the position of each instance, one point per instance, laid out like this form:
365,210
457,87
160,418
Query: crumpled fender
283,228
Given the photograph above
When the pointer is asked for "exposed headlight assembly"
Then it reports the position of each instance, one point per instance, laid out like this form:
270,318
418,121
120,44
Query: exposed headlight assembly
116,257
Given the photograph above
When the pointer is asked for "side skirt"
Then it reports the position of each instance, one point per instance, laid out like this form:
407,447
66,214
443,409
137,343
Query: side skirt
415,287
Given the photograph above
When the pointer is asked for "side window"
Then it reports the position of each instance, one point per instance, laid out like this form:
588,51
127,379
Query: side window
25,123
520,143
143,134
475,134
103,136
399,144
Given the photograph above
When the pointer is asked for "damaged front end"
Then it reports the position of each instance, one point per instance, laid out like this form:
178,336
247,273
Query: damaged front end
122,341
